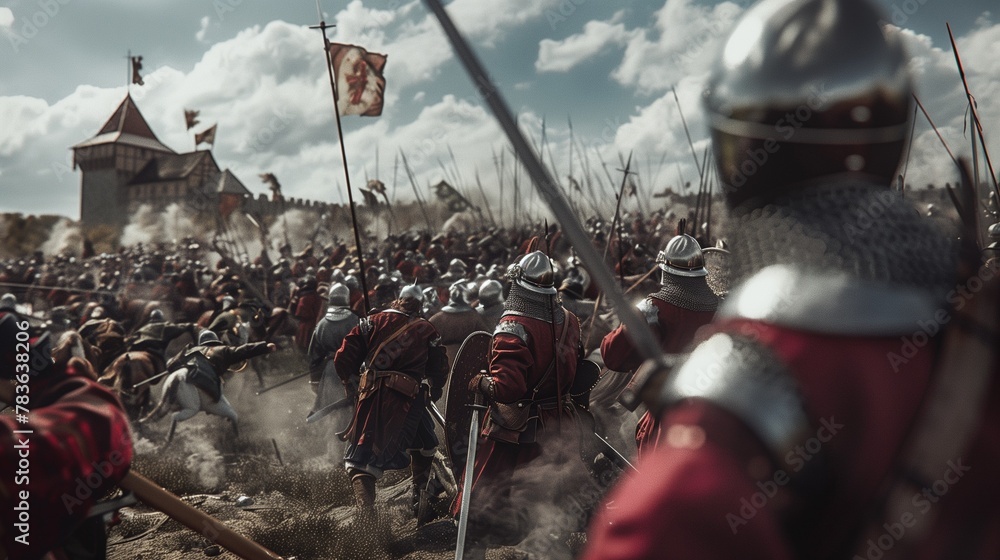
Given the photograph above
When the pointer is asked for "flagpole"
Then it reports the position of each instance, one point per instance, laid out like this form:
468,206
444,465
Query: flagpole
343,156
128,72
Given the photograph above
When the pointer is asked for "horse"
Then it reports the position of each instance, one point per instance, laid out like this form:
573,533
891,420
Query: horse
71,346
124,373
185,399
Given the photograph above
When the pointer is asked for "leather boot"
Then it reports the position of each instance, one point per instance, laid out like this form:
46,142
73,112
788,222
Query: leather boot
420,469
364,492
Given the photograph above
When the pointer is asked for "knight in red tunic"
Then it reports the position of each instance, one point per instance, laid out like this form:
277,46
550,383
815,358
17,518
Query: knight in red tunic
393,363
683,304
533,362
308,311
787,425
70,450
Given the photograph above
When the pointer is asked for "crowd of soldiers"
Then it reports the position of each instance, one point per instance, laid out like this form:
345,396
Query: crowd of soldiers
824,394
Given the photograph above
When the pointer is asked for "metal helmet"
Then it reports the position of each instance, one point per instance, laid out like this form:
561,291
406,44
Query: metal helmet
805,89
339,295
412,291
228,303
8,302
156,316
534,272
98,312
682,257
459,293
208,338
457,266
352,282
490,292
993,232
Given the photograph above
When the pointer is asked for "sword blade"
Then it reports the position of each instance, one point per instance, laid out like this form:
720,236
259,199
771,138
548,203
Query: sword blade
436,413
615,455
470,460
328,409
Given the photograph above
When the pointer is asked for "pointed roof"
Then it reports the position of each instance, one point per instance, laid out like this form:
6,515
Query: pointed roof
170,167
227,183
126,126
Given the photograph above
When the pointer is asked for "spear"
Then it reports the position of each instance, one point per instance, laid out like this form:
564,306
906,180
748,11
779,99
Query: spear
975,112
343,157
416,192
677,100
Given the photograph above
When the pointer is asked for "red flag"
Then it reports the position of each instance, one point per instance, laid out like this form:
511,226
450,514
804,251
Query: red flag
191,118
207,136
360,85
136,67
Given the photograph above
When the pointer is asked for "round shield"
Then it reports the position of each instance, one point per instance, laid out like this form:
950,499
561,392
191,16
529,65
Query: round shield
473,356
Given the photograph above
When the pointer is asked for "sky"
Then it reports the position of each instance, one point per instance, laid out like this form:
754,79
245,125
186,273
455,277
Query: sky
256,69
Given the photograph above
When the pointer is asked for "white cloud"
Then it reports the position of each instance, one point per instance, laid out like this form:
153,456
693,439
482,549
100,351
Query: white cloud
562,56
6,18
202,28
684,39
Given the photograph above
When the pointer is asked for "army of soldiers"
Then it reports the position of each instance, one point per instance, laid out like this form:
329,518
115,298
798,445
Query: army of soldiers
784,415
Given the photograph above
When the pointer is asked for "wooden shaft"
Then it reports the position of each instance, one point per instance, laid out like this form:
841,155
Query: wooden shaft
209,527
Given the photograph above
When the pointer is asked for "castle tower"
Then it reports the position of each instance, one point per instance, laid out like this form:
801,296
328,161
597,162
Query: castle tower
109,160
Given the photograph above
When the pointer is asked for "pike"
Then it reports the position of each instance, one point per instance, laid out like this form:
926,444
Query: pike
280,383
643,339
343,157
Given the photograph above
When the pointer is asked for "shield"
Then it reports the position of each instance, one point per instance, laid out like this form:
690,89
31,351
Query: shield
588,374
472,357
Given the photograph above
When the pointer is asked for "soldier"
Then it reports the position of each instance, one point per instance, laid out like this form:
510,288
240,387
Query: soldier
457,319
533,361
491,303
384,362
789,432
155,336
326,340
683,305
308,306
76,431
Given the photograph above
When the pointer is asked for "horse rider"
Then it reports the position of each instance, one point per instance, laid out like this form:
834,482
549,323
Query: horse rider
156,335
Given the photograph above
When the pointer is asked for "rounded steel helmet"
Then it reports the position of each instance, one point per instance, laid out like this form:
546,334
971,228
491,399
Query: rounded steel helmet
156,316
805,89
412,291
534,272
682,257
228,303
208,338
459,292
994,231
8,302
490,292
339,295
457,265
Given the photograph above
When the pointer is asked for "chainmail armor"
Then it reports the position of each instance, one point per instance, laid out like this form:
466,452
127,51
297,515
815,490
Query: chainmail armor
685,292
526,303
851,227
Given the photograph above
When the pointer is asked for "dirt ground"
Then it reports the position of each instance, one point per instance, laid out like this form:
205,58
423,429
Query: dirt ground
300,504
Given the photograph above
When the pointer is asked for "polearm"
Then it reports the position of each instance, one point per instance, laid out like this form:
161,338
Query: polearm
616,222
343,157
951,192
975,112
416,192
207,526
280,383
638,331
697,164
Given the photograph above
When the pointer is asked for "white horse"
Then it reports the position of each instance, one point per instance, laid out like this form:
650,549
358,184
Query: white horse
185,399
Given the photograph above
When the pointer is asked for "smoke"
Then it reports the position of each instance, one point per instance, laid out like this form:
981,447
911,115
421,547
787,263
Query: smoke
204,461
150,225
65,238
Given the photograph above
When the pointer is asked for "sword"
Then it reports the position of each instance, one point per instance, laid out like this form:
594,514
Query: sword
616,456
285,382
435,413
328,409
470,460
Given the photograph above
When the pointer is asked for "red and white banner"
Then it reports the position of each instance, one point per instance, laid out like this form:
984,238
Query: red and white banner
360,85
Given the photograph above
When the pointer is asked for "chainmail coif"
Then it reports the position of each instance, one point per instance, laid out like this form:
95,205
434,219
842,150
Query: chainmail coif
691,293
524,302
846,226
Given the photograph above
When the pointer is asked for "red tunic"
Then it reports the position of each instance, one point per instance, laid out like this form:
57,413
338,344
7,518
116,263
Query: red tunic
517,366
707,497
675,328
81,447
308,312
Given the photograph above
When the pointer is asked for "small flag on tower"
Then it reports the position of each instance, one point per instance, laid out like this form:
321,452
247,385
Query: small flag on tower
360,85
136,67
191,118
207,136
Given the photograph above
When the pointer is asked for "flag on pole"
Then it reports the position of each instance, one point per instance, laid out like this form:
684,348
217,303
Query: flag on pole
191,118
272,182
206,136
360,85
451,197
370,198
136,67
